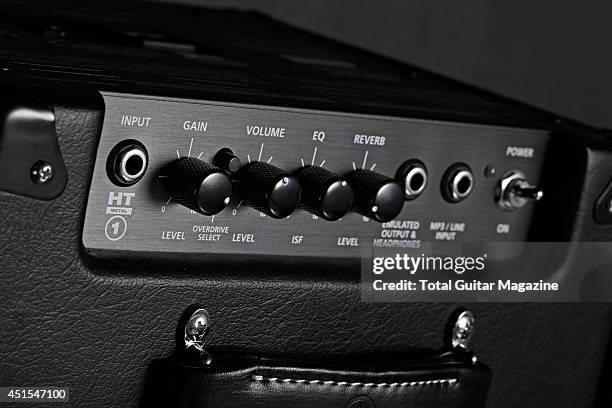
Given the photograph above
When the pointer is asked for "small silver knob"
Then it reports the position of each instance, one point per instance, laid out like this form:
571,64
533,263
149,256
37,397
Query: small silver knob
463,329
41,172
196,329
514,191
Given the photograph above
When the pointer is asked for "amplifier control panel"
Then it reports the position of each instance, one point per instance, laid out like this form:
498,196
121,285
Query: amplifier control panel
199,177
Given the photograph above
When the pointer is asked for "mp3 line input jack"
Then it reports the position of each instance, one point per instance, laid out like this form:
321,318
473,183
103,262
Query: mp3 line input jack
412,176
457,183
127,163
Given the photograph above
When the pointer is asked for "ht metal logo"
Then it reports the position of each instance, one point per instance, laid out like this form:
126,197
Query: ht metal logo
119,205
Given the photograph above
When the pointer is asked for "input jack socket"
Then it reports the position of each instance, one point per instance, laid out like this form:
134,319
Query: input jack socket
457,183
127,163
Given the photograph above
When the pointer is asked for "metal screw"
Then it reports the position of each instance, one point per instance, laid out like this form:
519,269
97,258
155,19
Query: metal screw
196,329
463,330
41,172
197,326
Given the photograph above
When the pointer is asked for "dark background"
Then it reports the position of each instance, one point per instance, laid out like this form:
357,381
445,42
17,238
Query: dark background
552,54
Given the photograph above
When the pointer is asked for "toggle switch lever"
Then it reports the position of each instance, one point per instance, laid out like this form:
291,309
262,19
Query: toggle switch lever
514,191
525,190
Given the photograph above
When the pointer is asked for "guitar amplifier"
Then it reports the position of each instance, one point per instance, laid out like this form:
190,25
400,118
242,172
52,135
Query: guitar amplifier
154,157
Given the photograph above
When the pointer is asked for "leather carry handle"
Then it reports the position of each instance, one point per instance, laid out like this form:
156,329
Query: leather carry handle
237,380
197,376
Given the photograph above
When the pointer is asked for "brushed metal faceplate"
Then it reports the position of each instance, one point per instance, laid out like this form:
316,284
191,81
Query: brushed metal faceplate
143,218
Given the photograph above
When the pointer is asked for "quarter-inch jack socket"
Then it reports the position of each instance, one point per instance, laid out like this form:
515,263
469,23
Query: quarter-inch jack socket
412,176
457,183
127,163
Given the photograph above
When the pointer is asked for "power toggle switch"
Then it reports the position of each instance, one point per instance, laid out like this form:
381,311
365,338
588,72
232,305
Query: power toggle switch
268,189
514,191
324,193
376,196
198,185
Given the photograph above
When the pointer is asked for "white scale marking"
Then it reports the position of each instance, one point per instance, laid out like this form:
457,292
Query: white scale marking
322,163
190,145
260,152
270,159
178,154
302,160
200,155
314,155
365,159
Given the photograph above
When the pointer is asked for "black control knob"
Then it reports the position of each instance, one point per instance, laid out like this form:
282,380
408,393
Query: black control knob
324,193
198,185
376,196
269,189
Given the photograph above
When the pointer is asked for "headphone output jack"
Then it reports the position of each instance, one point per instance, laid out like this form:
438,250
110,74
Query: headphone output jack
412,176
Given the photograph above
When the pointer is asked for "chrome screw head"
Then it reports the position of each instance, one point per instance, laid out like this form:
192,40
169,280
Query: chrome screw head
196,329
41,172
197,326
463,330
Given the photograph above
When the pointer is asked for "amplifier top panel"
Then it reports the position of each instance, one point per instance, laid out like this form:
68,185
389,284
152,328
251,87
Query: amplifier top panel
198,177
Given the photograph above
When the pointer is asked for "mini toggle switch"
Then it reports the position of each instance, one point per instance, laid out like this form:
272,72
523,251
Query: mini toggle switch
514,191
